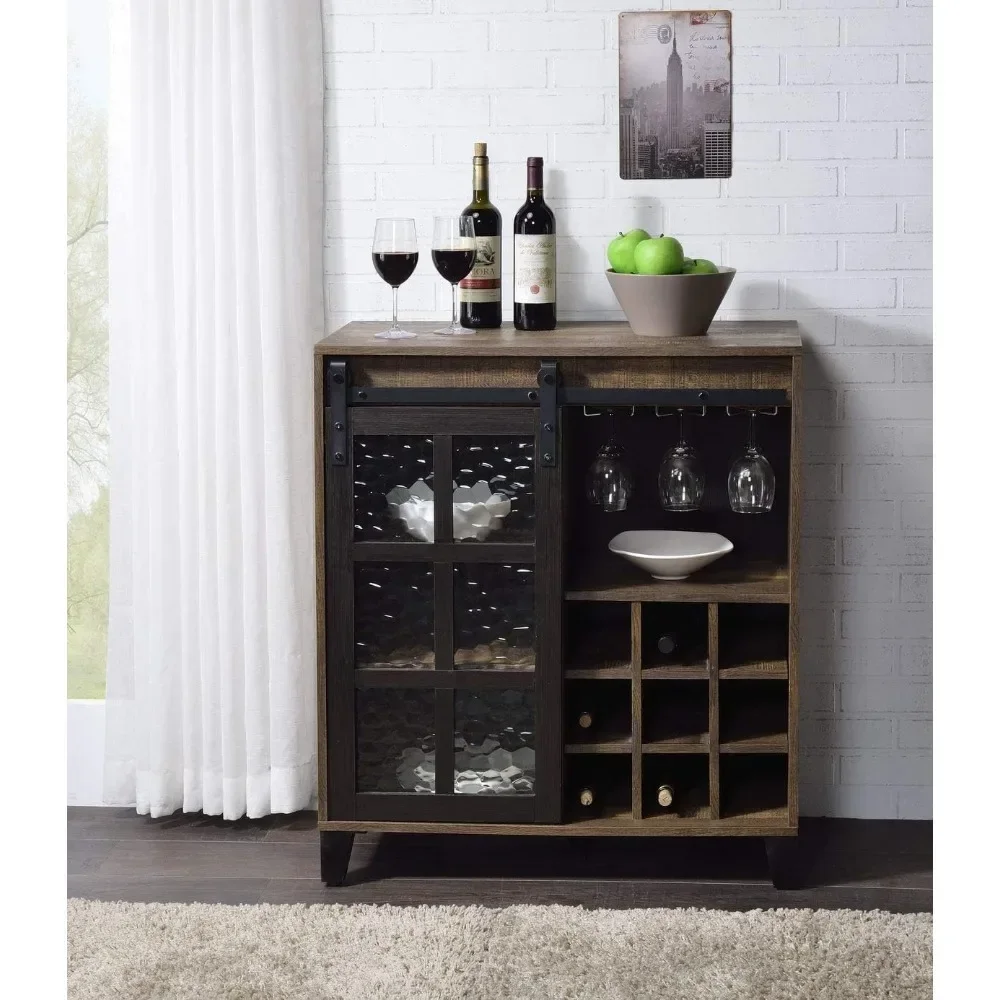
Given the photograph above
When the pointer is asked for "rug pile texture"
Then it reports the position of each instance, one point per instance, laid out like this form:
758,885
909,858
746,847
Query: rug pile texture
154,950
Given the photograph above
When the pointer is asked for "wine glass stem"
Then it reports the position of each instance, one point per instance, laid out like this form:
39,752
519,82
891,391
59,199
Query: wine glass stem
395,303
753,440
454,304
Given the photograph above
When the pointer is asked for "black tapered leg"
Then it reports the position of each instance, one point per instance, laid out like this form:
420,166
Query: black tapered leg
783,862
334,855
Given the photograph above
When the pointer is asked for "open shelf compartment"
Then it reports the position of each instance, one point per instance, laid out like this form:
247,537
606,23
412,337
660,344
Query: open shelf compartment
608,779
753,641
753,717
756,571
675,641
598,717
675,716
754,787
686,775
597,641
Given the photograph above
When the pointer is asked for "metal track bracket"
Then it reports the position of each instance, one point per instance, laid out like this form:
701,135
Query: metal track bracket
548,416
336,401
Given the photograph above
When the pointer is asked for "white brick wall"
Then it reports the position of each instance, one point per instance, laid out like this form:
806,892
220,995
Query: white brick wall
827,216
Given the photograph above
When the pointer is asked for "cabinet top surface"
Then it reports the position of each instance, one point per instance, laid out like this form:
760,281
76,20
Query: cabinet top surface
751,338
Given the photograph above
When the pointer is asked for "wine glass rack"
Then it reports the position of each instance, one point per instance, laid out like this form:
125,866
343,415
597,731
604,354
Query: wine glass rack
529,682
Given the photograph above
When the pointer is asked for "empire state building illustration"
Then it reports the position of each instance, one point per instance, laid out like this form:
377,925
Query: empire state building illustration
675,113
675,99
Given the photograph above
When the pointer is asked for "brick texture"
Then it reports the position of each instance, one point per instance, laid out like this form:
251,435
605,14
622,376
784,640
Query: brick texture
827,217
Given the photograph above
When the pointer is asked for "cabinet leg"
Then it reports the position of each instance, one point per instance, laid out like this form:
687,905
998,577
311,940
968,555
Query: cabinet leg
783,862
334,855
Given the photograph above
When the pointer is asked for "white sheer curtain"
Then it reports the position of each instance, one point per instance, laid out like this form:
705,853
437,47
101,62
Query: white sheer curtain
216,151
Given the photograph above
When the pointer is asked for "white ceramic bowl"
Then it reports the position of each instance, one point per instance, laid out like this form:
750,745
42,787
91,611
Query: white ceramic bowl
476,512
670,555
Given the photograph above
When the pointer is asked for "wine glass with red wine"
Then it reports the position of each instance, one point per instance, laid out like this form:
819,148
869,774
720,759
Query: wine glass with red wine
394,254
453,250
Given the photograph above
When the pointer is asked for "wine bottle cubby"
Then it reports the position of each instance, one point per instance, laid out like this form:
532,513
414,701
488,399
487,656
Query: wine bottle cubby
684,777
486,664
675,640
598,788
598,716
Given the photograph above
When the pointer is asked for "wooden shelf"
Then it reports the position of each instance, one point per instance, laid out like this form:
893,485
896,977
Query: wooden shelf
621,745
608,672
759,583
677,672
771,743
690,743
594,339
761,670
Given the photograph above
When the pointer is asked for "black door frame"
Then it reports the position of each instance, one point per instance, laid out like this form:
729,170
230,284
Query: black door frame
345,420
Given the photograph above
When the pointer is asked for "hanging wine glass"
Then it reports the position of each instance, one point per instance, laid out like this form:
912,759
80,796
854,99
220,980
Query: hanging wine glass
681,479
609,480
751,479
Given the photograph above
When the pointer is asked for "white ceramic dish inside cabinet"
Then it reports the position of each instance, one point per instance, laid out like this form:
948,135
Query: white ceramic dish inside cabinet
670,555
476,511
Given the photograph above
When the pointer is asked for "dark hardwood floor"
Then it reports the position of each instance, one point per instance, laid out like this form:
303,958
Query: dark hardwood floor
857,864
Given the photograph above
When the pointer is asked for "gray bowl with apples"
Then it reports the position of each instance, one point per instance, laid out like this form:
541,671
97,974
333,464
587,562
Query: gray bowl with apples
662,292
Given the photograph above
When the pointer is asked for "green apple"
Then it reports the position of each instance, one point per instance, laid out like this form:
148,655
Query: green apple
622,248
699,266
664,255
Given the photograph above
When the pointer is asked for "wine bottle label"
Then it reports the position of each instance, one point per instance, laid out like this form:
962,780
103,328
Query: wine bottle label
483,282
534,268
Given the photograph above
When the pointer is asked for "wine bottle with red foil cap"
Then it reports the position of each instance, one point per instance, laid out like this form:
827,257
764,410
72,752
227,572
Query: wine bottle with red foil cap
534,257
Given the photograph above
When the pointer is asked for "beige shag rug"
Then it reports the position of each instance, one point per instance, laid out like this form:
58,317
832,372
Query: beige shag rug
155,950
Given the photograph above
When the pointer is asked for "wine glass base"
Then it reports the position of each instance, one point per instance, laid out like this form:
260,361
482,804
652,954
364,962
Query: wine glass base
454,331
395,334
744,509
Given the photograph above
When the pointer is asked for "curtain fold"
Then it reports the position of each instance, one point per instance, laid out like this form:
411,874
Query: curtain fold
215,200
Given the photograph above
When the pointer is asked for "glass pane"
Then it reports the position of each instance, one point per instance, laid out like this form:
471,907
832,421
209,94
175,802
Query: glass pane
87,439
394,616
495,478
395,736
393,480
495,742
494,616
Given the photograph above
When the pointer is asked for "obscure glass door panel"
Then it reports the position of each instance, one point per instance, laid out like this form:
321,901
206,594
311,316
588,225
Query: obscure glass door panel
394,616
395,740
495,742
494,616
393,484
495,479
434,652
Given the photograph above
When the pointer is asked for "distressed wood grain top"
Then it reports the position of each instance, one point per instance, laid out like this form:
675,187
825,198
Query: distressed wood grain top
751,338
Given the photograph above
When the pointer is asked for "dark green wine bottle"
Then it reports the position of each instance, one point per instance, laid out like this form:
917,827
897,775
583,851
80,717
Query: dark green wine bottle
479,294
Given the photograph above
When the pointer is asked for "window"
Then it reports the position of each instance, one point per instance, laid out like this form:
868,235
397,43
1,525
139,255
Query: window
87,354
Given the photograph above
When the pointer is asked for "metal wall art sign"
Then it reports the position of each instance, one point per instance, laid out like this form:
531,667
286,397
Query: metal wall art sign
675,94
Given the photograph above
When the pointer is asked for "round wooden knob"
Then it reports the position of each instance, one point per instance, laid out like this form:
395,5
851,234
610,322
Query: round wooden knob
586,797
586,720
665,796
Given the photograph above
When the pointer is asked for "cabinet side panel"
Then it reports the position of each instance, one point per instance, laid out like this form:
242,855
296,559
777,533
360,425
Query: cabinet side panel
794,532
319,413
339,625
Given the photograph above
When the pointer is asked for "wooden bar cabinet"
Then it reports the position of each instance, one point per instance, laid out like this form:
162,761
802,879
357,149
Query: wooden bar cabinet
476,680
